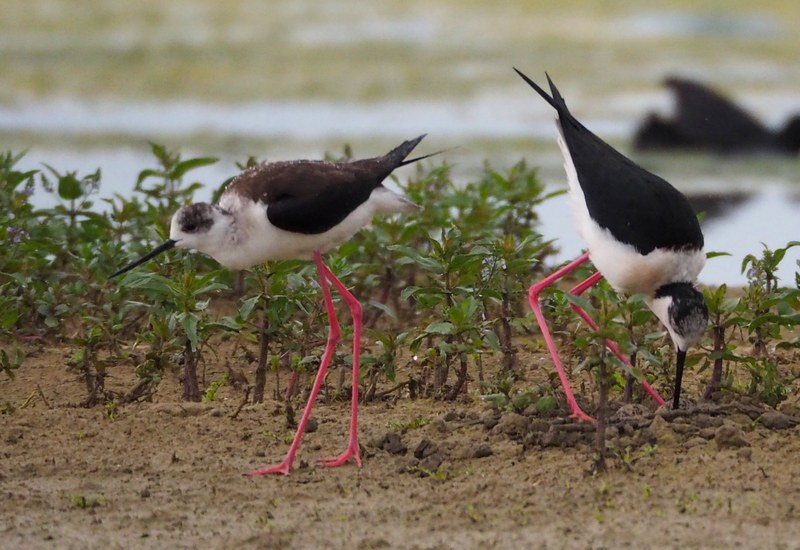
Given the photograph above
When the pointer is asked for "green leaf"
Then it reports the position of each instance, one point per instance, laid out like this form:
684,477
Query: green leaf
248,306
190,164
441,327
749,259
153,284
545,404
581,302
8,318
189,323
383,307
147,173
408,291
69,188
491,338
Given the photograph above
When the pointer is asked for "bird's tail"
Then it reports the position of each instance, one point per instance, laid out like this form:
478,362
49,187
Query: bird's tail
556,100
398,154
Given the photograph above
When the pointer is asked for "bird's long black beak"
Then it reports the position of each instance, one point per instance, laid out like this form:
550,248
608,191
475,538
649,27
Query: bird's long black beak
152,254
679,362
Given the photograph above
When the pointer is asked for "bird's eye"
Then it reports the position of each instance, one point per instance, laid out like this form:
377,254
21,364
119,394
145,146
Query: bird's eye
190,227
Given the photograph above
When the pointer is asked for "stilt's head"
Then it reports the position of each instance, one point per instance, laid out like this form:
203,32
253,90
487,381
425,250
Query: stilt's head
200,226
682,309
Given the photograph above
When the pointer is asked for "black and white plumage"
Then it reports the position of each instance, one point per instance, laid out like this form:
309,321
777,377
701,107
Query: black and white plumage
289,209
297,209
642,233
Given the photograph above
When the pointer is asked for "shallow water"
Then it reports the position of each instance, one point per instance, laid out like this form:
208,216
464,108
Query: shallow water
294,79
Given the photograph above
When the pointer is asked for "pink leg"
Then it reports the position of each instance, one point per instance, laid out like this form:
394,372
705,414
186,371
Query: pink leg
610,344
533,297
352,450
334,332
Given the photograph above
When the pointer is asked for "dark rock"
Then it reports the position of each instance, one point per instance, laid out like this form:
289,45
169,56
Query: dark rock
490,418
432,462
512,424
707,421
393,444
482,450
681,428
439,425
425,448
539,425
312,425
554,438
450,416
661,430
730,436
775,420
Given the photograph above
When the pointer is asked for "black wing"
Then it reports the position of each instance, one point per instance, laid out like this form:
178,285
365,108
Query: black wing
636,206
311,197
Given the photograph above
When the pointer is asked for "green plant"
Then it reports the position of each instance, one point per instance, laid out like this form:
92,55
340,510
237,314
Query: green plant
211,393
84,501
11,362
179,317
413,424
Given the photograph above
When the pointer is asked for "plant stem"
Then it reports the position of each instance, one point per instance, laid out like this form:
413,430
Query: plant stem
716,373
509,357
191,390
263,352
461,380
629,381
602,412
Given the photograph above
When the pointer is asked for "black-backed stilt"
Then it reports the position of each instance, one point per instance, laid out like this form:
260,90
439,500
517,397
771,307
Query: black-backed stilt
642,236
296,209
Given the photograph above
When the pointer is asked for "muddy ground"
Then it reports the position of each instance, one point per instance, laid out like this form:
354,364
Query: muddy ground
169,475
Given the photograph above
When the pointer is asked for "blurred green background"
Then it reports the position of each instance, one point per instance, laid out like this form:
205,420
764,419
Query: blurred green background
88,84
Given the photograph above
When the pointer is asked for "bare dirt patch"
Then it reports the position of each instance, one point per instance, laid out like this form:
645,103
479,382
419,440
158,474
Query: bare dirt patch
168,474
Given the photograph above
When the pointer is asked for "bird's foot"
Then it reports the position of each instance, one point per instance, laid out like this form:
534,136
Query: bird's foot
578,414
352,451
283,468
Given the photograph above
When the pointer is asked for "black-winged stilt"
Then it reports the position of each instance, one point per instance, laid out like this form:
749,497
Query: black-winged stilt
642,236
706,120
296,209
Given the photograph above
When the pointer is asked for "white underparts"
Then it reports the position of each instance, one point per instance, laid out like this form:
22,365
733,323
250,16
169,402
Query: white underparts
621,264
249,238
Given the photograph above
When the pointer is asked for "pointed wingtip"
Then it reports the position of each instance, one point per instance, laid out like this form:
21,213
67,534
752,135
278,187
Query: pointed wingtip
557,97
539,89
